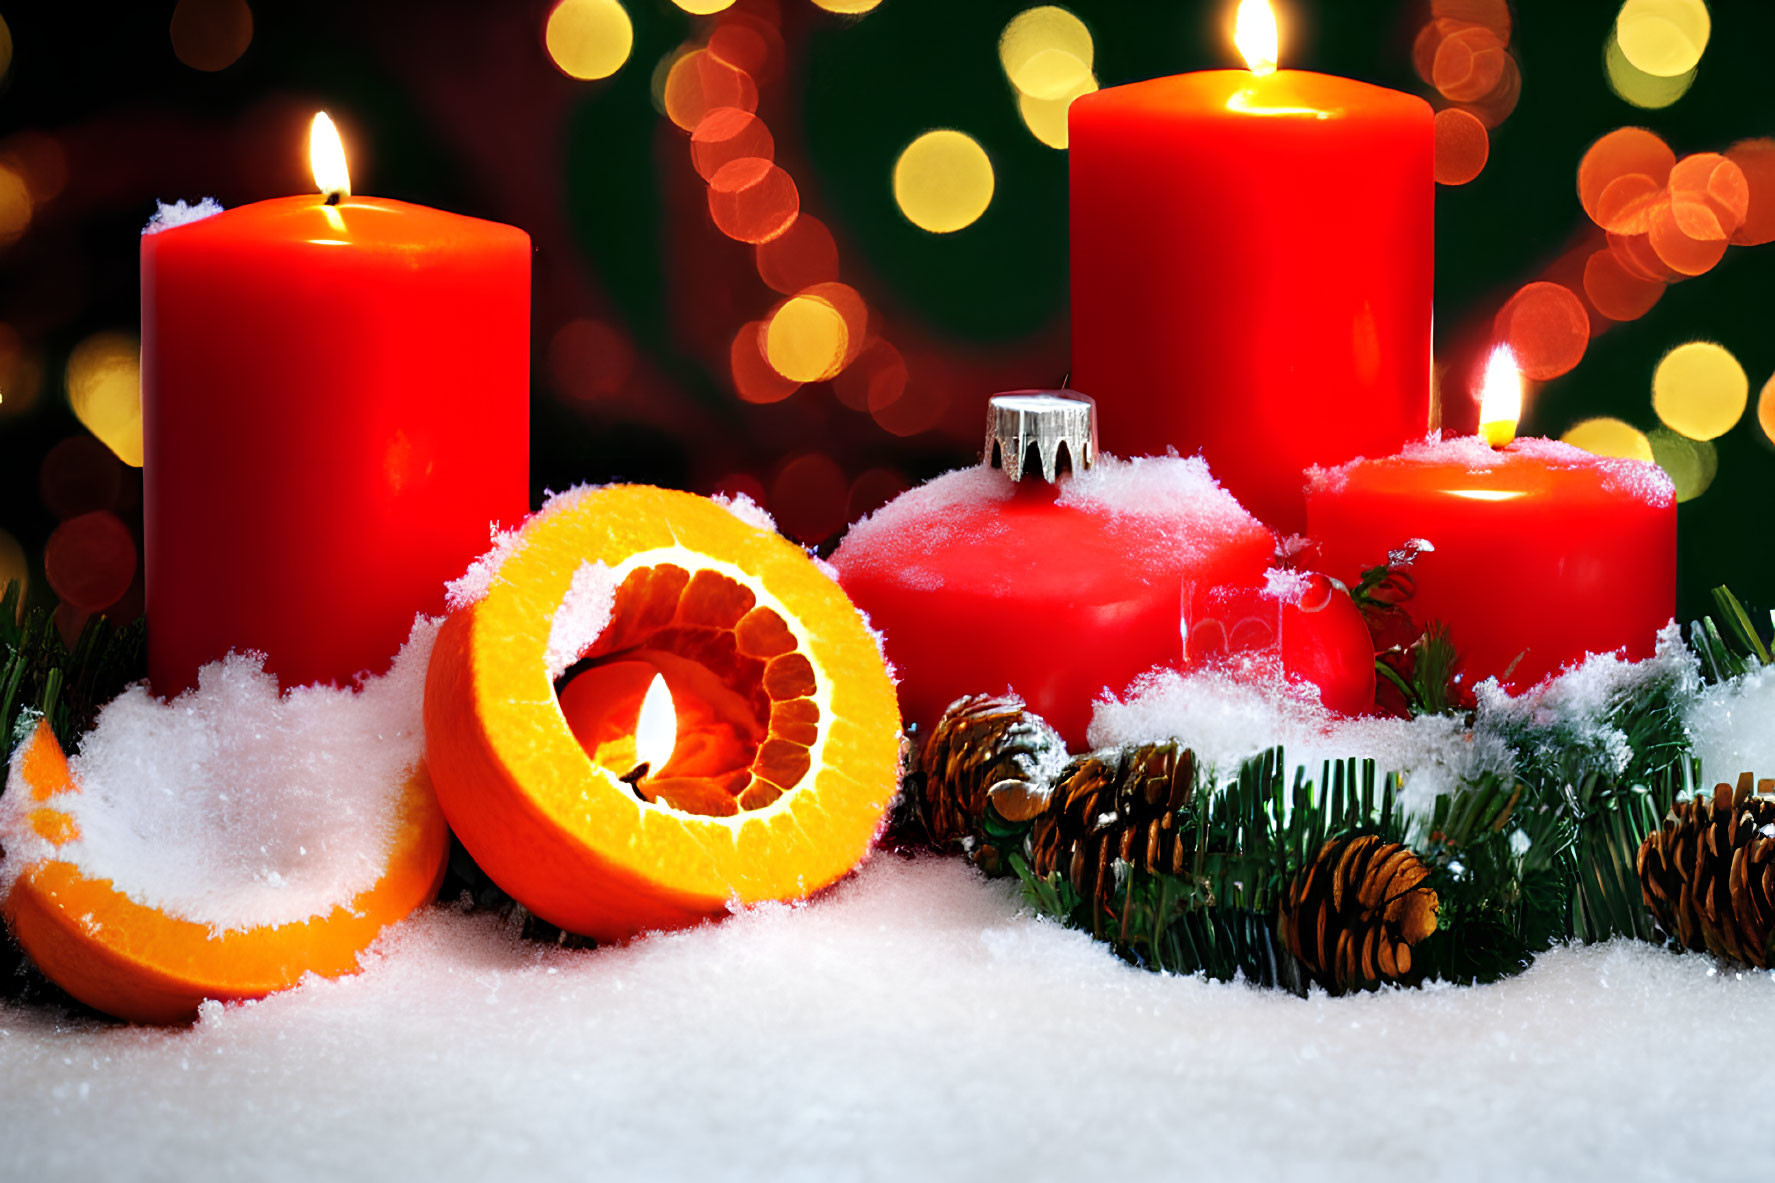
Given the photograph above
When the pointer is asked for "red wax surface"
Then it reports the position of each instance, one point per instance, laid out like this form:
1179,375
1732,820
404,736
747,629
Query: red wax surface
979,589
335,406
1543,553
1251,273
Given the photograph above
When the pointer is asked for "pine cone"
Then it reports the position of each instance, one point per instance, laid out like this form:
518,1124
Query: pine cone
1709,875
982,742
1353,915
1115,805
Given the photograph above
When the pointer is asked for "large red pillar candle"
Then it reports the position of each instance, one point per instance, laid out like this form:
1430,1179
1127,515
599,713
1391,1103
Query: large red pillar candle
335,407
1251,272
1540,553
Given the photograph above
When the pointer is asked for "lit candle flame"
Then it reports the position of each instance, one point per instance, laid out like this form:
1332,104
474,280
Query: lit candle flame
1254,32
656,731
326,159
1500,398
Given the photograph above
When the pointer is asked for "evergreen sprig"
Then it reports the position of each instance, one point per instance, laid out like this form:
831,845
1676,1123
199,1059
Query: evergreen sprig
42,677
1731,647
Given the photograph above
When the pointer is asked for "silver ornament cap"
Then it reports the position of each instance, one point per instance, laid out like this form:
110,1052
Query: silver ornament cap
1049,421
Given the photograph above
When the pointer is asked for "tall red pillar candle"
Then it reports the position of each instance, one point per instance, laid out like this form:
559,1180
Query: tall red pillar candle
1539,553
335,403
1251,272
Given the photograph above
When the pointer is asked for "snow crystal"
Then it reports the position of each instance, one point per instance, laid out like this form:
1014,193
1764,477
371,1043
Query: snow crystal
805,1042
180,213
1639,479
1168,487
1733,728
233,807
474,584
584,614
896,536
747,511
1286,584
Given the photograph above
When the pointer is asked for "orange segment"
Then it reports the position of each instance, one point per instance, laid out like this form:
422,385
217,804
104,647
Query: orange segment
141,964
788,741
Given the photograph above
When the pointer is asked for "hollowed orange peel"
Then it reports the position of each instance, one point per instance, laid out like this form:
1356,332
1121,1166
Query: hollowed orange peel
141,964
709,600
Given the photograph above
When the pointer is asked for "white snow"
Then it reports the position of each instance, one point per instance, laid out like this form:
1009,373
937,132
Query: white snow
746,510
179,213
912,1023
233,807
893,538
1733,728
583,616
1639,479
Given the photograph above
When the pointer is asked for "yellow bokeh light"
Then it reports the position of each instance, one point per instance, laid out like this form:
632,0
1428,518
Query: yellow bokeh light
1635,86
15,204
703,7
14,568
806,340
589,39
105,390
847,7
1700,390
1046,118
943,181
1604,436
1046,52
1664,38
1766,409
1690,464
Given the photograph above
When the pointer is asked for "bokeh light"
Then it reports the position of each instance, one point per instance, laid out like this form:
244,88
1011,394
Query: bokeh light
90,560
727,134
753,200
1766,409
1626,203
1547,329
5,47
40,159
921,404
753,378
1462,146
1663,38
808,496
847,7
1756,159
1046,52
1604,436
749,43
1617,292
1700,390
104,382
1622,152
14,567
1710,196
211,35
699,82
943,181
79,475
703,7
1690,464
21,374
1046,119
589,359
1676,250
806,339
1468,65
1633,85
876,379
15,204
589,39
803,255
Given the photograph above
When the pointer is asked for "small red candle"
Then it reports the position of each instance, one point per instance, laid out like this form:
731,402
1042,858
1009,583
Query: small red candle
1056,590
1540,553
1251,270
335,403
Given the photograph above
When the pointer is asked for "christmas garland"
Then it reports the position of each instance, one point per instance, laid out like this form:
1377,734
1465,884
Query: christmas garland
1290,880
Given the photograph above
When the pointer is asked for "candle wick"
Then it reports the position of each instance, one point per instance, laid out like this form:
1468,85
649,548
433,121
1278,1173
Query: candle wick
635,776
333,197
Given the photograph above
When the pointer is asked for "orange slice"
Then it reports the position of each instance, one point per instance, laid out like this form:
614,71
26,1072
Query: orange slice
737,620
141,964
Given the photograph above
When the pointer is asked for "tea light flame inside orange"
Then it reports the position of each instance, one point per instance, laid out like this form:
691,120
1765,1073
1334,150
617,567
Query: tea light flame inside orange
1254,32
1500,398
656,730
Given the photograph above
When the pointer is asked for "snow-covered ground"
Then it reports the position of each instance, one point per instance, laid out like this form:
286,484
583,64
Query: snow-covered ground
912,1022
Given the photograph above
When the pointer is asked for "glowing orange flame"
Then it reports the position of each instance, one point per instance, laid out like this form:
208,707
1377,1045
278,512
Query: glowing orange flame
1500,398
1254,32
326,158
656,731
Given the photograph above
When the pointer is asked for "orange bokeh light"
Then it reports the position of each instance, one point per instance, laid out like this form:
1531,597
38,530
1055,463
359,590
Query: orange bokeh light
1711,195
1756,159
727,134
754,379
1462,146
1676,250
753,200
750,44
90,560
1617,292
1468,65
876,379
699,82
803,255
1547,328
1626,203
1623,151
589,359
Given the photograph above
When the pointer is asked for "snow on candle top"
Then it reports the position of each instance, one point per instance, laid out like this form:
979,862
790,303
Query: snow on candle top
1471,455
179,213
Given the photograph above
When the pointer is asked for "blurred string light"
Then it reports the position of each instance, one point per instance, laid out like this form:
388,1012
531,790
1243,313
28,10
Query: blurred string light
40,159
943,181
211,35
588,39
1605,436
1691,464
1663,38
16,205
1700,390
1766,409
848,7
703,7
1047,55
1463,52
806,339
1634,85
1546,327
104,382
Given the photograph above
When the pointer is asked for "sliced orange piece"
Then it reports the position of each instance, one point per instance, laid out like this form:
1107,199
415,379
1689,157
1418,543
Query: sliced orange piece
786,800
141,964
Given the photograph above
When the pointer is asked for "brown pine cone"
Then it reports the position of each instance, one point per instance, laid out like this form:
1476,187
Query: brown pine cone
980,743
1709,874
1115,805
1353,915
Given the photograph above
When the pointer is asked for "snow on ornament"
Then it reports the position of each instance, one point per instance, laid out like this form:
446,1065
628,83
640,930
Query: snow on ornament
761,772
